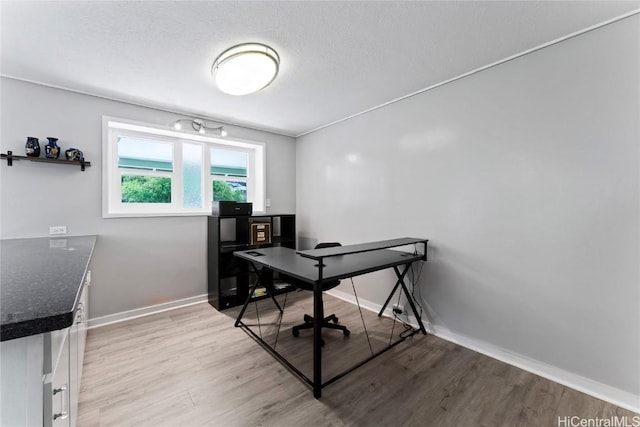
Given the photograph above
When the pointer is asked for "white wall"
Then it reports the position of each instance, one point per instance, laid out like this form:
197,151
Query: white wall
525,178
137,261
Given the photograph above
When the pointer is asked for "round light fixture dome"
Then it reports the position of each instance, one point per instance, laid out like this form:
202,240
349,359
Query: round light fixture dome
245,68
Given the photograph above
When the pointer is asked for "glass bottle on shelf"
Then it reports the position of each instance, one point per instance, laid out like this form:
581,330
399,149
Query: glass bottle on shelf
32,147
51,150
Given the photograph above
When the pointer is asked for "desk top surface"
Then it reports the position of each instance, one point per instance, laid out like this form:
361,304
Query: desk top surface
336,267
359,248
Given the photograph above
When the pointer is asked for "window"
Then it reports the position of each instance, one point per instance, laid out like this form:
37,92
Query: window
229,175
145,169
150,171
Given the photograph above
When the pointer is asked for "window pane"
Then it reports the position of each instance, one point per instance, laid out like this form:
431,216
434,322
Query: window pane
145,189
228,163
191,176
229,191
143,154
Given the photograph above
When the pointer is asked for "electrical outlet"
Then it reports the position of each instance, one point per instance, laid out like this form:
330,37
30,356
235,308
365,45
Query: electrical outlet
58,229
398,309
268,203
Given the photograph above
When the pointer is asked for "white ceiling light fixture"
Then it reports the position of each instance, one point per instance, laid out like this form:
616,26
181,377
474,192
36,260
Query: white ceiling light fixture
245,68
199,126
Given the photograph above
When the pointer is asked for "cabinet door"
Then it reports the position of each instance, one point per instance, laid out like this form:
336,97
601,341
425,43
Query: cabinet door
21,372
83,317
57,392
77,339
74,373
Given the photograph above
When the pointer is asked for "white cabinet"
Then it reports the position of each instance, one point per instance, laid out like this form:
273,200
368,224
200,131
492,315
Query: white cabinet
57,387
62,392
40,374
44,313
77,339
83,320
74,372
21,363
36,389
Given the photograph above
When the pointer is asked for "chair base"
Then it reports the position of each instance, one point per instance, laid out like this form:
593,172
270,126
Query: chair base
326,323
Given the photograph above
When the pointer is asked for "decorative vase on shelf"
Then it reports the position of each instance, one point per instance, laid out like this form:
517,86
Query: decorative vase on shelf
32,147
51,150
74,154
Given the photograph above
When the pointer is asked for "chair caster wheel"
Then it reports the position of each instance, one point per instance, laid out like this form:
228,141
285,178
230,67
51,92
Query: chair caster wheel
295,333
347,332
335,319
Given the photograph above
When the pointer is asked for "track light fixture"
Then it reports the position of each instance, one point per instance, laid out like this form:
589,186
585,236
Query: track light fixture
199,126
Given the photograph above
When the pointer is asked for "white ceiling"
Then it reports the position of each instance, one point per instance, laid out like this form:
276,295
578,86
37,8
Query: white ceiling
337,58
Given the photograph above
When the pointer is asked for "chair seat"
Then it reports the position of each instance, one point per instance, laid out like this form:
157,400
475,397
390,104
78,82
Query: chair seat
309,287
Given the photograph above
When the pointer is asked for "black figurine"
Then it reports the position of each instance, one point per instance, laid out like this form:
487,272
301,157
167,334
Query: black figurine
51,150
74,154
32,147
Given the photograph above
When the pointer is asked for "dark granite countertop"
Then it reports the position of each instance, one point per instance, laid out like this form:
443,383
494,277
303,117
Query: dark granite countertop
40,280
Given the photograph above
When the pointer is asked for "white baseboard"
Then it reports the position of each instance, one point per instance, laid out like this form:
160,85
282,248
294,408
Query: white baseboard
145,311
585,385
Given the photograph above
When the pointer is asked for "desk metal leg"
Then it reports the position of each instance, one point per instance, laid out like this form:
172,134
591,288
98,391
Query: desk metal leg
409,297
395,288
318,317
317,341
251,291
400,282
246,302
384,306
270,289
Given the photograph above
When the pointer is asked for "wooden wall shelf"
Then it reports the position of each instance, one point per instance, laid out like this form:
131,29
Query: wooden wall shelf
11,157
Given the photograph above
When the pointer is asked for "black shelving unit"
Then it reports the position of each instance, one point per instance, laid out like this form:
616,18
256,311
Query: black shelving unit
229,277
10,157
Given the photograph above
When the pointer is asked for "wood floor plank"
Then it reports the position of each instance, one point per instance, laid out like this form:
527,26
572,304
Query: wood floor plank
191,367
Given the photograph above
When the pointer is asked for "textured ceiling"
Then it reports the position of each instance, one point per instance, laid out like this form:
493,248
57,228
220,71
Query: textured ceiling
337,58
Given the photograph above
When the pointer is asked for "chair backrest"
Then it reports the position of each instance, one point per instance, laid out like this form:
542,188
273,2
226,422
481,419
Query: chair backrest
329,285
327,245
308,287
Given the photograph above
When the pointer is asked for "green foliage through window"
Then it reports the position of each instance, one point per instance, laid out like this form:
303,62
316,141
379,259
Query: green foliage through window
146,189
229,191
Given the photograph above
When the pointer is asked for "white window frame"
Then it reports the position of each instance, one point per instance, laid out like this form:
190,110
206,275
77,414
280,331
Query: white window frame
112,206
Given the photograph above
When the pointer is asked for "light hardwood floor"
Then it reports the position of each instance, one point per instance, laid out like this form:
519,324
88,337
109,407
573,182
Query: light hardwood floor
191,367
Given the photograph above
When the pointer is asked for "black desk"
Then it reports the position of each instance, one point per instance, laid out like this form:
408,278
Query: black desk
320,266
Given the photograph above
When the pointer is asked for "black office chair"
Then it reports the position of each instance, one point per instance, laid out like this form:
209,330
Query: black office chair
326,321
